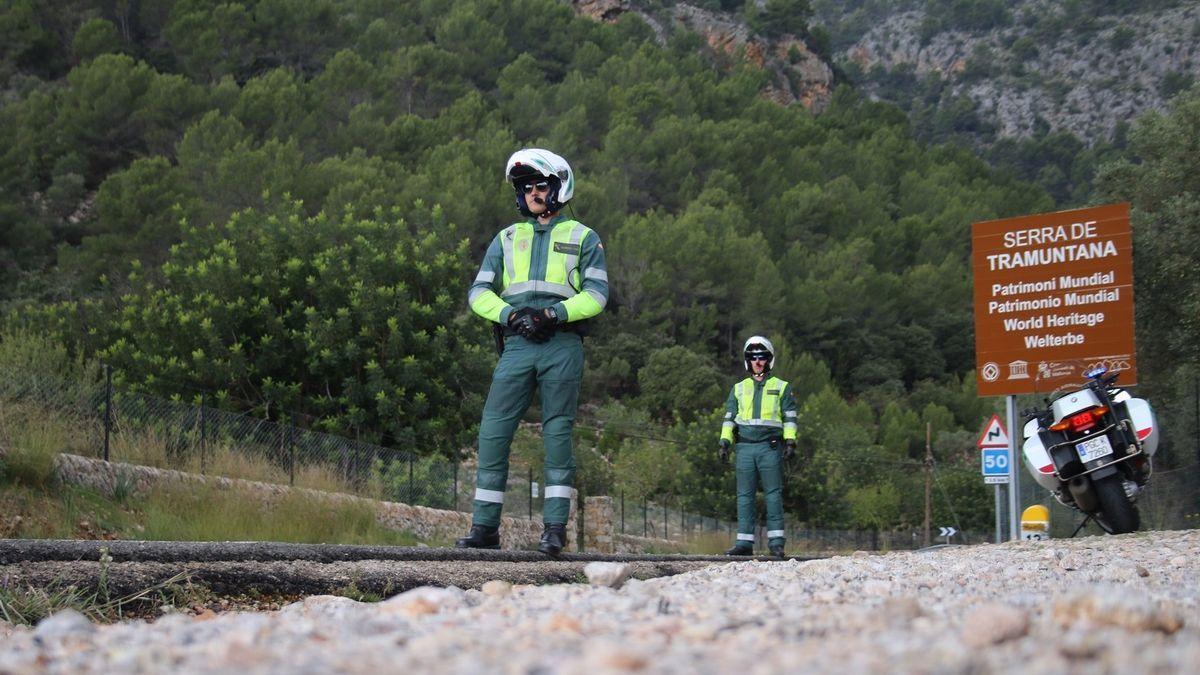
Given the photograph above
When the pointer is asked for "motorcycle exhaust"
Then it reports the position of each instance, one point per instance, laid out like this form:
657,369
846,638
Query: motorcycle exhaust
1085,496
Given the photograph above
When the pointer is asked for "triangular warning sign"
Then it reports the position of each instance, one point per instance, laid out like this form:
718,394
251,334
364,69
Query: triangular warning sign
994,435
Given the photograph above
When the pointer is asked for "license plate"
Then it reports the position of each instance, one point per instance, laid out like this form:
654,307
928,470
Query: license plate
1094,448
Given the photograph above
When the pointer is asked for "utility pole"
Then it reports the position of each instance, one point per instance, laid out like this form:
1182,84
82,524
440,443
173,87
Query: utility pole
928,479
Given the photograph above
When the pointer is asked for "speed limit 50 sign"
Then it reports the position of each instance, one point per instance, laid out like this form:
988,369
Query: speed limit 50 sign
995,465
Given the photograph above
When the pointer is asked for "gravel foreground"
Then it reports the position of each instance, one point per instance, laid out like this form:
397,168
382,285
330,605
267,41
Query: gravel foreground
1127,604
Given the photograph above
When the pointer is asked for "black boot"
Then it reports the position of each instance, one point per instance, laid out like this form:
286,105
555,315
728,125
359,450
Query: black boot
777,550
740,550
481,536
554,538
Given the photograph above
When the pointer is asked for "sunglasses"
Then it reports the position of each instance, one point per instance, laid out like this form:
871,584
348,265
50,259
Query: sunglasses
759,357
540,186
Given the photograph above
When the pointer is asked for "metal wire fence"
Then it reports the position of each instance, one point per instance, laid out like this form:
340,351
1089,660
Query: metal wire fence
660,521
115,424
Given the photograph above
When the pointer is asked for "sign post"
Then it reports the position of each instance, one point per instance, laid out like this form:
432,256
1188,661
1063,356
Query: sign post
995,462
1053,298
1014,481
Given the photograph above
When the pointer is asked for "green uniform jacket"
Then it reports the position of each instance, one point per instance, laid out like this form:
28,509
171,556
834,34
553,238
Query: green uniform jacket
559,264
760,411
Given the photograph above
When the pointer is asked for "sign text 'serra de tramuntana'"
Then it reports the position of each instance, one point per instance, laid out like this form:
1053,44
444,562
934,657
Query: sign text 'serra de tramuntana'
1053,297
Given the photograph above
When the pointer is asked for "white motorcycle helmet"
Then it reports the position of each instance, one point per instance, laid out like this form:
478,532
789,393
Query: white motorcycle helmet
531,163
758,344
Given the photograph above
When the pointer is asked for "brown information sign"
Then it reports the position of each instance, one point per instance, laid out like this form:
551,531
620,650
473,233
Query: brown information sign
1053,297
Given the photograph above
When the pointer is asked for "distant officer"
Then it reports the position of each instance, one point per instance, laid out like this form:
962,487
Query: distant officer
539,280
760,416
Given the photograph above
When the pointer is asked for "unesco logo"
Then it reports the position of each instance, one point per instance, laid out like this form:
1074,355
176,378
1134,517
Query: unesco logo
990,372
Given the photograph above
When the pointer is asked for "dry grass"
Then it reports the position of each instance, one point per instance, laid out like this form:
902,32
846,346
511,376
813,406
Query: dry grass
708,543
32,436
32,505
149,448
211,513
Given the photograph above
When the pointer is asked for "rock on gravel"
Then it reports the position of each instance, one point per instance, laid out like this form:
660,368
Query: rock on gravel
1118,607
497,588
62,624
609,574
1010,608
994,623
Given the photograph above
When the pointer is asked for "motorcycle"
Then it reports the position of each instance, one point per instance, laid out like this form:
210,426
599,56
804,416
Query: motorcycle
1092,448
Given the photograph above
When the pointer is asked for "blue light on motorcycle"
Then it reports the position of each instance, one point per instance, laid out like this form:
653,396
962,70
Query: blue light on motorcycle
1096,372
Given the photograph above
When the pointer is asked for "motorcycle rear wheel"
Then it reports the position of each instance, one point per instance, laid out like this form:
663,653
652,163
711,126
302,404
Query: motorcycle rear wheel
1119,515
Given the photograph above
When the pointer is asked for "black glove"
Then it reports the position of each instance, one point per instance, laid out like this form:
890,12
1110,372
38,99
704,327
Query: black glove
533,324
546,322
789,449
723,450
523,321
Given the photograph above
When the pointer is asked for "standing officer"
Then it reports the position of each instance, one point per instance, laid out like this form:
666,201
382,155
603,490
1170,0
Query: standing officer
539,280
761,413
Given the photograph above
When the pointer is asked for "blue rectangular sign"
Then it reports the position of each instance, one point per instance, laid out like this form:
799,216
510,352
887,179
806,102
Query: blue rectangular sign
995,461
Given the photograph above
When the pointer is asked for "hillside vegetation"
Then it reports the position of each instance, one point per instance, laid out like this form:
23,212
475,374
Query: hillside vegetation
281,202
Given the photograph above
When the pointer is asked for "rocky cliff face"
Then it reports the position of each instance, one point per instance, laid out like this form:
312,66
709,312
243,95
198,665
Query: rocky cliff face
1092,75
797,74
1041,70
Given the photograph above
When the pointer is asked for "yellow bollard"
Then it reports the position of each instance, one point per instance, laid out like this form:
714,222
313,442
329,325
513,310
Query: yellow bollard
1035,523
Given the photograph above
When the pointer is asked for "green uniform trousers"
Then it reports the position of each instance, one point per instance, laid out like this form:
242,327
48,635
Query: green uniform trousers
755,460
555,368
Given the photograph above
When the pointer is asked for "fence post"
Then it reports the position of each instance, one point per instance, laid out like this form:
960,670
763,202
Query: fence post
410,480
203,435
456,481
622,512
682,524
107,407
666,520
645,517
530,492
291,439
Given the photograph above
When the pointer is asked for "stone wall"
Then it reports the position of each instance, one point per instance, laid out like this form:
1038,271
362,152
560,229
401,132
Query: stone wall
108,478
629,543
598,525
600,536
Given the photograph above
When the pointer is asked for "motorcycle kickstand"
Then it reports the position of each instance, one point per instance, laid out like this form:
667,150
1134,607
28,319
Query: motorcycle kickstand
1081,525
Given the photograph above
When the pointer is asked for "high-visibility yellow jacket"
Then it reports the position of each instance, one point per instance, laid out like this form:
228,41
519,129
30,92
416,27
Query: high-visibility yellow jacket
559,264
760,411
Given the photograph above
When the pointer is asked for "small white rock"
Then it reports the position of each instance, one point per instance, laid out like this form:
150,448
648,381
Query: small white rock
994,623
63,623
609,574
496,588
424,600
